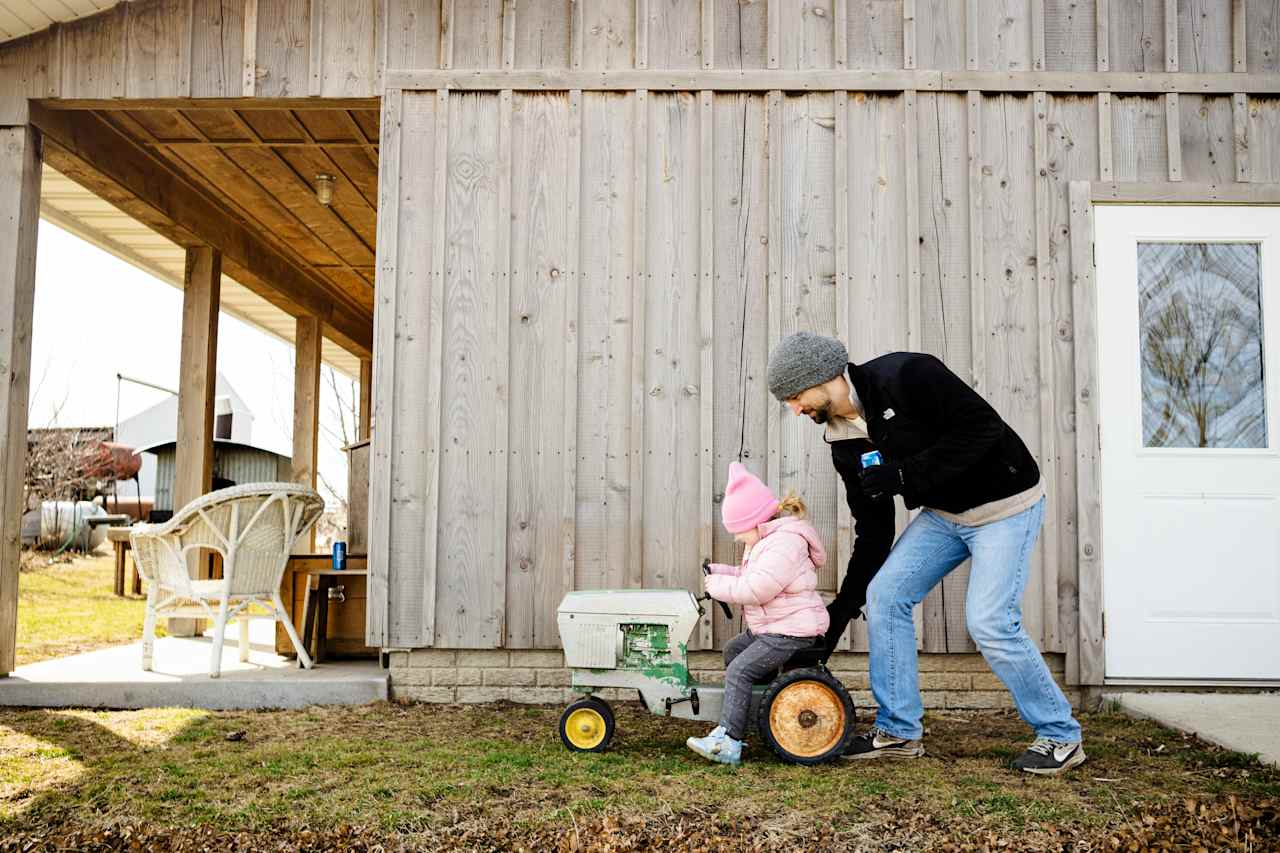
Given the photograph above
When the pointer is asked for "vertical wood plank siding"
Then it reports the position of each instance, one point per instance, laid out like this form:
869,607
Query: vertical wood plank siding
577,290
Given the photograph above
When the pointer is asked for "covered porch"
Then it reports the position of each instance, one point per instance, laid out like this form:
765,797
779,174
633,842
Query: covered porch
112,678
263,208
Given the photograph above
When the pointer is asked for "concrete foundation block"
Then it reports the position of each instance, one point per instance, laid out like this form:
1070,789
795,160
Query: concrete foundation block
414,693
508,677
484,658
552,678
539,695
483,694
537,659
432,657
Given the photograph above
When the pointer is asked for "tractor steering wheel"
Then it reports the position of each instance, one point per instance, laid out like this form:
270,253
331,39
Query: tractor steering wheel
724,607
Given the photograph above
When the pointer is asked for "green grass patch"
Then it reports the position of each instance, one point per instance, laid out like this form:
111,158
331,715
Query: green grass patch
65,608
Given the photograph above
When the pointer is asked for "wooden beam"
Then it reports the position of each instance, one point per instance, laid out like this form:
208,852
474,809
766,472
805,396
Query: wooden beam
1173,135
692,80
841,22
1240,135
908,34
1089,654
306,412
98,157
971,35
249,65
844,521
14,112
706,326
708,47
1239,58
384,358
197,104
366,400
1105,154
1102,28
1088,82
977,278
315,56
19,225
1185,193
197,360
1170,35
828,80
447,23
577,32
1045,336
201,290
1037,35
773,417
639,292
642,35
573,229
508,34
911,140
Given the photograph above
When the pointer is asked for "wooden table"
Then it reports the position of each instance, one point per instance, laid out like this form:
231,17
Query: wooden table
315,606
344,623
119,539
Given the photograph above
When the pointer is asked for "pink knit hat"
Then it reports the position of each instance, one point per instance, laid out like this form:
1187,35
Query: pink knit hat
748,502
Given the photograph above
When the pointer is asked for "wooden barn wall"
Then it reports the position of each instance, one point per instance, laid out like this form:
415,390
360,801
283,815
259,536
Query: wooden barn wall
578,289
934,220
151,49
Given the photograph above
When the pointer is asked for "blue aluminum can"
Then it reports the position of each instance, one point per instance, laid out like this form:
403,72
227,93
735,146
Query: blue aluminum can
872,457
339,556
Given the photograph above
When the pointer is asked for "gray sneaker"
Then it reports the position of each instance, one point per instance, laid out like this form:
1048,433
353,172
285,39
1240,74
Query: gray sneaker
879,744
1048,757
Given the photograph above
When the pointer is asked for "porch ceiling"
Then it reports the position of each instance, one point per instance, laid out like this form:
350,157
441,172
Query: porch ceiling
239,178
77,210
262,165
20,17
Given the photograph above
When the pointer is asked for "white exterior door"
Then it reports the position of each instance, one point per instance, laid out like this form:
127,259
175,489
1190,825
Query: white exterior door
1189,377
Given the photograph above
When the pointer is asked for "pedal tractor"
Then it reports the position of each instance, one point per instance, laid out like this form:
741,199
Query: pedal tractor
637,638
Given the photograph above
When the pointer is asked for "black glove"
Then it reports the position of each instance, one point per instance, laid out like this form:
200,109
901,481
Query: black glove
882,480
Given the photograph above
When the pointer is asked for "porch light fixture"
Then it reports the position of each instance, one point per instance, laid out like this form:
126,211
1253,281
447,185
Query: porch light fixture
324,188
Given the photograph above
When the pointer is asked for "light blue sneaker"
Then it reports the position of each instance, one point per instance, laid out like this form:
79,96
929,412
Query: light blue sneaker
717,746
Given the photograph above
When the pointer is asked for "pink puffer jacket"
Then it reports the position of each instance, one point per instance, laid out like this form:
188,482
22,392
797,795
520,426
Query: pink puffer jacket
777,581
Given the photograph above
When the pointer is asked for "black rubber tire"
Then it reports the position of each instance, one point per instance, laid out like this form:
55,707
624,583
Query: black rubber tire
595,704
787,679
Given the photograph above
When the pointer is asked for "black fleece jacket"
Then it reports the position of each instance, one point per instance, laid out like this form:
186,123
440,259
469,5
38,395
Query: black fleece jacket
956,453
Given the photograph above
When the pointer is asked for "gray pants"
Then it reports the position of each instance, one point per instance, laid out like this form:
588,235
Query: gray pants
748,658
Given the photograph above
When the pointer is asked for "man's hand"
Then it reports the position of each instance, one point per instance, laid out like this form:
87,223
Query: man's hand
883,480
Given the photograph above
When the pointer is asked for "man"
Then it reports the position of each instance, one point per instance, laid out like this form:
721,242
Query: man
945,449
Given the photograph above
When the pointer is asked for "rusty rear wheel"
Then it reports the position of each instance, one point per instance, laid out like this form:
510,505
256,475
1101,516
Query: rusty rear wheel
806,716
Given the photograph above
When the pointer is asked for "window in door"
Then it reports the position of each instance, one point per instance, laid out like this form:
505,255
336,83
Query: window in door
1200,315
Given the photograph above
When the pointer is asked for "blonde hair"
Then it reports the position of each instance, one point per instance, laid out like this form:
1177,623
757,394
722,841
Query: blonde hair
792,505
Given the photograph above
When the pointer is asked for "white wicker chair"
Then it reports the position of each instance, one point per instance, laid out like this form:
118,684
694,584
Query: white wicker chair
254,528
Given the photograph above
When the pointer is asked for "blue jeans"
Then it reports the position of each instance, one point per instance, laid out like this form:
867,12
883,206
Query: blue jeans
927,551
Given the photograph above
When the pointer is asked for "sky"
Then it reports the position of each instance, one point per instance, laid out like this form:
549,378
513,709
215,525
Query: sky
96,316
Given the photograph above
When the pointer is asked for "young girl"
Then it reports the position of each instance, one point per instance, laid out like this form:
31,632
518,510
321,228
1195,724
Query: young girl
776,584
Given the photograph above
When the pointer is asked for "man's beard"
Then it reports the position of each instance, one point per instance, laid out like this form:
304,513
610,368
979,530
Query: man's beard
821,414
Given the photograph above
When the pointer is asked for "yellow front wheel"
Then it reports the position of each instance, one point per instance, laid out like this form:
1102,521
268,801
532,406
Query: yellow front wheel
587,725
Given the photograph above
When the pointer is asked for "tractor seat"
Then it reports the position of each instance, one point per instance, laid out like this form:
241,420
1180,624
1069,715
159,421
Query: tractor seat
802,658
811,656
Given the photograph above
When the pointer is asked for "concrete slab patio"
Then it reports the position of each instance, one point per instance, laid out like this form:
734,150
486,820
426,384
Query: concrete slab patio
1244,722
113,678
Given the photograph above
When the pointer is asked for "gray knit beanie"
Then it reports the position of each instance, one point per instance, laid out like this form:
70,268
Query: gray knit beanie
803,360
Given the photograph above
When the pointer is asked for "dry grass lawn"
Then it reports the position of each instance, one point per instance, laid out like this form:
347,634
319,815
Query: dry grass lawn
496,778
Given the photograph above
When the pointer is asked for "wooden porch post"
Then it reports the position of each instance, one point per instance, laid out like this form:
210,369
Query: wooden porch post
19,221
366,399
306,411
201,292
